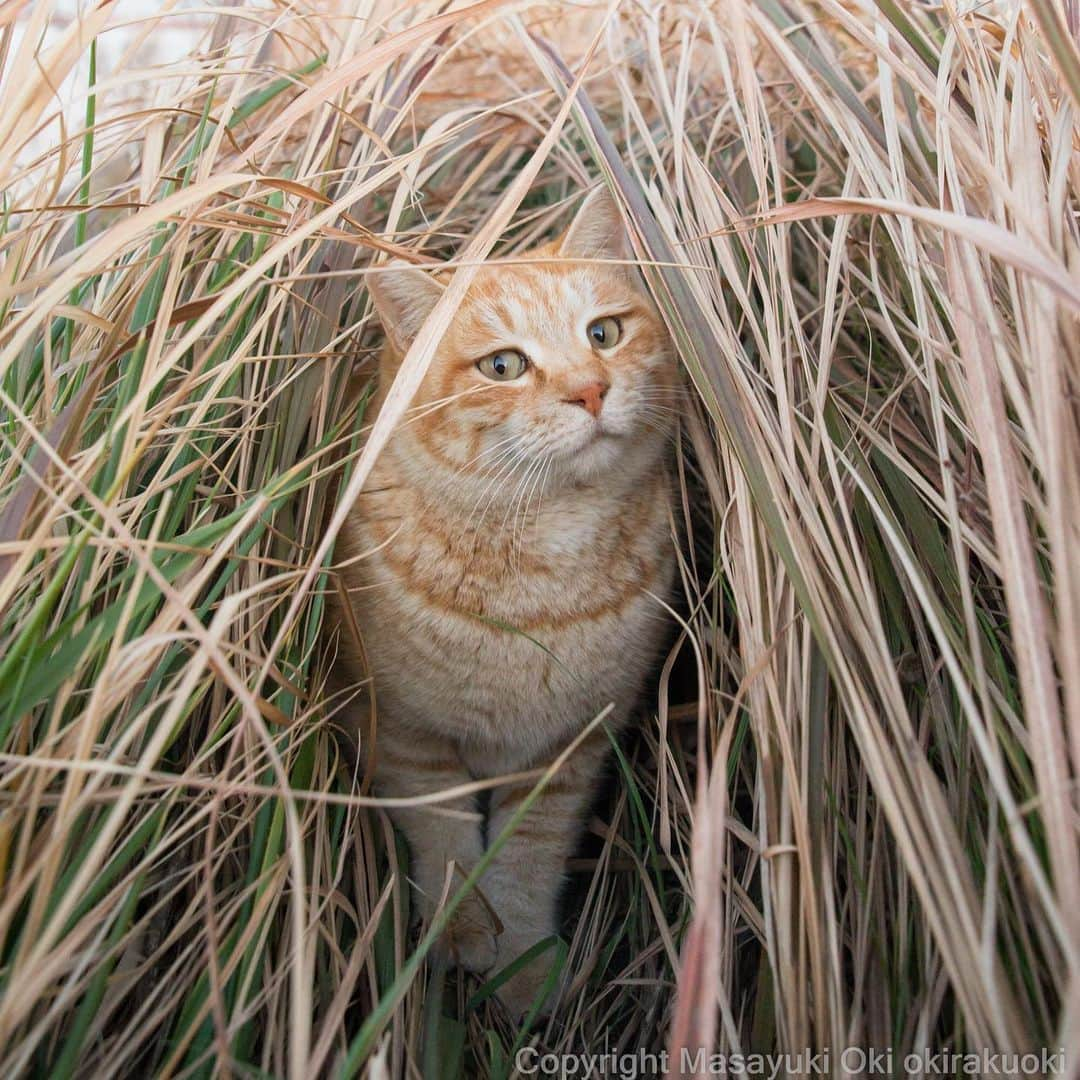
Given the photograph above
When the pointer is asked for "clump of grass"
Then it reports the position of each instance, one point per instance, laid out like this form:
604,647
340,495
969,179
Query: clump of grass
858,827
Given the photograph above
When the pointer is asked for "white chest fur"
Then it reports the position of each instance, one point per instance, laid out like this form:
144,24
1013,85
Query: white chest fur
511,642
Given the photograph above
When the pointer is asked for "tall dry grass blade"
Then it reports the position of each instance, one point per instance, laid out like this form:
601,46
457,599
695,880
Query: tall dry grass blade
849,817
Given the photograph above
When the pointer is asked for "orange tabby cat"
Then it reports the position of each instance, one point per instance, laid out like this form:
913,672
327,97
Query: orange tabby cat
501,560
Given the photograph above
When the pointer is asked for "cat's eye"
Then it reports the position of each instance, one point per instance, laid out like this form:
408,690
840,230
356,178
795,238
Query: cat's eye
503,365
604,333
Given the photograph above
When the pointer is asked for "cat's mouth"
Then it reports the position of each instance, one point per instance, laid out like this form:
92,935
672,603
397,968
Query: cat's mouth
595,436
607,429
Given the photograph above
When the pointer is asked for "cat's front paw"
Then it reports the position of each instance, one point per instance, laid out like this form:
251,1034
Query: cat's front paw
469,938
525,988
522,991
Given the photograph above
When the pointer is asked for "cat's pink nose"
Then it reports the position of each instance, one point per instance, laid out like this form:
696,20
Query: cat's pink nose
590,398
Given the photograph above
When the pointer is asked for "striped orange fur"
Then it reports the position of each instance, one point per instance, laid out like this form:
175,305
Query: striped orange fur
504,561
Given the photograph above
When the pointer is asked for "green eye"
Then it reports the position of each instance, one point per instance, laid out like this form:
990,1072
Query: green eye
604,333
503,365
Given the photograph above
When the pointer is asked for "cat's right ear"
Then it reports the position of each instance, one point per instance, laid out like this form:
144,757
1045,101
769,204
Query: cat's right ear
403,296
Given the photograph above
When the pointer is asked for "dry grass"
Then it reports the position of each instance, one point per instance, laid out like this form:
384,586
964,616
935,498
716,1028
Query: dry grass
858,828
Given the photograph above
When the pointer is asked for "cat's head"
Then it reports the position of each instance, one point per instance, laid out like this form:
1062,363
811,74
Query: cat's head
561,358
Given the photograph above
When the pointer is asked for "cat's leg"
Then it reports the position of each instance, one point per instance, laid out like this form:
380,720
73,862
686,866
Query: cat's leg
409,764
526,876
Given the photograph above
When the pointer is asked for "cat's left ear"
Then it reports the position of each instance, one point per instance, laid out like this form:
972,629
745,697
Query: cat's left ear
403,297
597,232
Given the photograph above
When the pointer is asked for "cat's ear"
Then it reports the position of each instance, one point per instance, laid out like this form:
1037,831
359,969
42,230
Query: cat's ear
403,297
597,232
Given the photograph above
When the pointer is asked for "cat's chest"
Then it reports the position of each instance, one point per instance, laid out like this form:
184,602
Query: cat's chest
537,628
539,572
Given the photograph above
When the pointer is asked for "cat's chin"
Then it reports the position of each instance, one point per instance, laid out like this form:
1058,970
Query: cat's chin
586,458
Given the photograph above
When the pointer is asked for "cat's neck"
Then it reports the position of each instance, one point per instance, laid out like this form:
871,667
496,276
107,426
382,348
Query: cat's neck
516,492
573,526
